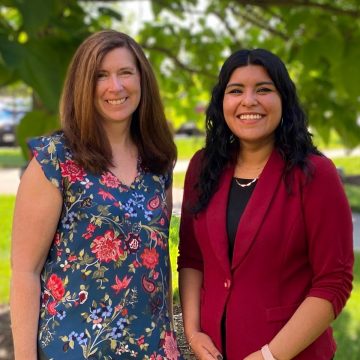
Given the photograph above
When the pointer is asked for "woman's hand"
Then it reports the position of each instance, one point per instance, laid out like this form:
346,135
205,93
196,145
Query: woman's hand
203,347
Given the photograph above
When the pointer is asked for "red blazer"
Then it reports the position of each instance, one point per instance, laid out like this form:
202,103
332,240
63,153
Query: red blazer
287,247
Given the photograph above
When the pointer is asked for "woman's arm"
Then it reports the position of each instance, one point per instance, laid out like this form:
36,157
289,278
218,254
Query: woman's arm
310,320
37,211
190,282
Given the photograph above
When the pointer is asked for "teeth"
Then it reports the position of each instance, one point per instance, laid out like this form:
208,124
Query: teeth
117,101
250,116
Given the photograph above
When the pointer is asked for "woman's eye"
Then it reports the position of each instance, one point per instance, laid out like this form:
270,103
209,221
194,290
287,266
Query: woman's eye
101,76
125,73
234,91
264,90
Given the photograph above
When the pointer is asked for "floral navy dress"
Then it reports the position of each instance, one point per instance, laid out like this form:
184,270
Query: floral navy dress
105,283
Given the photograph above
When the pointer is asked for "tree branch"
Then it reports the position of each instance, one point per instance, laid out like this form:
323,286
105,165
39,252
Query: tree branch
252,18
305,3
176,60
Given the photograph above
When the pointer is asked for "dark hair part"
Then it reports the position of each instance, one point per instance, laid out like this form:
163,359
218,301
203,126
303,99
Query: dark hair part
292,138
81,122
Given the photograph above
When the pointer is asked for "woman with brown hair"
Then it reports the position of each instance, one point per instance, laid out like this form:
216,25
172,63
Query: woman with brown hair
91,279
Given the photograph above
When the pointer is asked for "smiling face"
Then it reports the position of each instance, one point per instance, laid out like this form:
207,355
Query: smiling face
252,105
118,89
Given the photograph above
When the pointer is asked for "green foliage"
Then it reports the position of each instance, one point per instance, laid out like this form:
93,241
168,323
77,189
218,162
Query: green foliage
33,124
188,41
37,41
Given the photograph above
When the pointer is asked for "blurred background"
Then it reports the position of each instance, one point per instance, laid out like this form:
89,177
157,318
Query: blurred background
186,42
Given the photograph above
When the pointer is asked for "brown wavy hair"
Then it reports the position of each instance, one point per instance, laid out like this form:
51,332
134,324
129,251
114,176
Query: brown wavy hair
82,123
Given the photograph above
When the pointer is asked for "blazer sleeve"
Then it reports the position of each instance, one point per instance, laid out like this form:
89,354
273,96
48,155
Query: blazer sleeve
329,232
189,251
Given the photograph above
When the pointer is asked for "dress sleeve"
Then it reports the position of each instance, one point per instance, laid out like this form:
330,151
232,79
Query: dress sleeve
46,150
189,250
330,235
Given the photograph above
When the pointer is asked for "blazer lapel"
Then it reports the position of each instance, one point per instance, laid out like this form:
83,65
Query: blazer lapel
257,206
216,219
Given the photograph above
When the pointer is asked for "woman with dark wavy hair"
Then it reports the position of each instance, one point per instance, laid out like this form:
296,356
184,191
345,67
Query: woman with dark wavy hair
266,251
91,274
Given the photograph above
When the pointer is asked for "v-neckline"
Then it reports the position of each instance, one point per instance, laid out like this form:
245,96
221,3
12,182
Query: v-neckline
139,173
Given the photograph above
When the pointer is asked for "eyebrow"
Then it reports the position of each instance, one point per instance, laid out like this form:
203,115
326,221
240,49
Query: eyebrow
257,84
132,68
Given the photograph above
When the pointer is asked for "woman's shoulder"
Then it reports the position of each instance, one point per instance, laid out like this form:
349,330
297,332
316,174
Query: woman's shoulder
320,162
54,143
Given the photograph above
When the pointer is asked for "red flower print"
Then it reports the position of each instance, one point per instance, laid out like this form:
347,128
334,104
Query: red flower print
72,258
141,340
156,357
51,308
56,287
110,180
170,347
105,195
106,247
83,295
72,171
91,228
121,284
124,312
56,239
154,202
150,258
153,236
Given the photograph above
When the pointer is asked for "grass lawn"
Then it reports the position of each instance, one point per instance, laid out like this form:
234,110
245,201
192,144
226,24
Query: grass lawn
187,146
11,157
6,210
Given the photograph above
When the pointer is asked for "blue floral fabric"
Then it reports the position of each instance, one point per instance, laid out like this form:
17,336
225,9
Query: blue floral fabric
105,282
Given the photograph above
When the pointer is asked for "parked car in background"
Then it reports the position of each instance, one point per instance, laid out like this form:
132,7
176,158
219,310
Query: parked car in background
189,129
9,120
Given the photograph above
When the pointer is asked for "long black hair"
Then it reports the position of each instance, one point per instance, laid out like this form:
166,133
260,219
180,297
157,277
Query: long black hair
292,137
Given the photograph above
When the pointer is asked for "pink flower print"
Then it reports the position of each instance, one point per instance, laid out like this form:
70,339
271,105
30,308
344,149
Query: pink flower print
170,347
72,171
109,180
107,247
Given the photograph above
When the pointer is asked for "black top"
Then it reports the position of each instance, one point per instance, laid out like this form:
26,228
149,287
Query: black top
237,201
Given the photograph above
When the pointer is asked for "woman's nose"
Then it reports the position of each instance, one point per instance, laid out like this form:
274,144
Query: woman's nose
249,98
116,83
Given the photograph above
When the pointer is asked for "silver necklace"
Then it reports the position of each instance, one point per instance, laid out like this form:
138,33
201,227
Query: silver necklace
247,184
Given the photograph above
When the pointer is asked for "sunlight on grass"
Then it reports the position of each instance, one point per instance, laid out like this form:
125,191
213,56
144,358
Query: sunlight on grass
187,146
6,211
349,164
174,242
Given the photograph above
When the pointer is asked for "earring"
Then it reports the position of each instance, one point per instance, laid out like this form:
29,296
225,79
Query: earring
231,138
281,122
